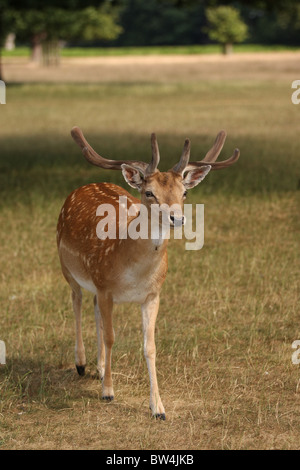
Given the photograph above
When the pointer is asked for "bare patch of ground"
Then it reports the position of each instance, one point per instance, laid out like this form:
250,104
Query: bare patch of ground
158,68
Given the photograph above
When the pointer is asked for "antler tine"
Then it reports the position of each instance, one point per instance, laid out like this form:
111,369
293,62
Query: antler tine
212,155
152,167
87,150
96,159
184,159
225,163
216,165
215,151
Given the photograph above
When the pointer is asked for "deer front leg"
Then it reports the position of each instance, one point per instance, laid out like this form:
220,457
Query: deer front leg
149,312
105,305
100,341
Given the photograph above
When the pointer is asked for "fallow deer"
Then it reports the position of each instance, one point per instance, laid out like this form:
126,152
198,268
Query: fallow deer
124,269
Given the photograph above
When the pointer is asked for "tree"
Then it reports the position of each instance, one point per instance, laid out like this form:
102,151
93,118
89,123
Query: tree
225,26
6,24
45,27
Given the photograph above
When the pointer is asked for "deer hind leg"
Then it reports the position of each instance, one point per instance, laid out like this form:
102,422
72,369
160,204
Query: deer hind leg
80,360
149,312
100,340
105,305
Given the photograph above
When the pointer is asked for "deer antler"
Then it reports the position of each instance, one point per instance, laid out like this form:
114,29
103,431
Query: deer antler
184,159
95,159
209,159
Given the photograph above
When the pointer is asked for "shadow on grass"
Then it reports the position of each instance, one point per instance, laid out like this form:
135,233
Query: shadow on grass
49,167
29,381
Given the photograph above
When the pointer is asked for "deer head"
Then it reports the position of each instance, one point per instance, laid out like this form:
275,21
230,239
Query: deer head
168,189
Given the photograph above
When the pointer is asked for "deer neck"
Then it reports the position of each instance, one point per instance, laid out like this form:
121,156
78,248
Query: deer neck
156,235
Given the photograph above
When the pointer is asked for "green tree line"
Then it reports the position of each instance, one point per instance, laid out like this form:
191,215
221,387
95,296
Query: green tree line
180,22
43,25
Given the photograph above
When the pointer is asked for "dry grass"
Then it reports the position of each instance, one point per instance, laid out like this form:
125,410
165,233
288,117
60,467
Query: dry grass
229,313
273,66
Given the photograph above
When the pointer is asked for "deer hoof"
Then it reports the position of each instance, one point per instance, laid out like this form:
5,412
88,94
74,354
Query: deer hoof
81,370
160,416
108,398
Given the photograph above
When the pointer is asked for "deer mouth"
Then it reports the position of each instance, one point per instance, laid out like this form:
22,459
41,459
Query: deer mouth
178,221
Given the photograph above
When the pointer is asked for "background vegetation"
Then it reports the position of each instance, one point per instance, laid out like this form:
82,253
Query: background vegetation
135,22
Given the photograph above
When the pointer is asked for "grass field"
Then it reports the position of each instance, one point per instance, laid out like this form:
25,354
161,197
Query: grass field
23,51
229,313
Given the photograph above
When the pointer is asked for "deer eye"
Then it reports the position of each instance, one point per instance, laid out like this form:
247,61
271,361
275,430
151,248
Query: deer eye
149,194
185,194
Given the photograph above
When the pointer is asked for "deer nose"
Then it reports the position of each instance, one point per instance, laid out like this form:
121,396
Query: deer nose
177,221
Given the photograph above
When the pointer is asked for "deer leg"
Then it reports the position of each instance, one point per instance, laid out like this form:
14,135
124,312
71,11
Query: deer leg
80,359
105,304
100,341
149,313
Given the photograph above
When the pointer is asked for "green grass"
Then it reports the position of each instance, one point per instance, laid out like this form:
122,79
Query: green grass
229,313
152,50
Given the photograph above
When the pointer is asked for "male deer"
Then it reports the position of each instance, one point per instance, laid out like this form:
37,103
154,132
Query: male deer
124,269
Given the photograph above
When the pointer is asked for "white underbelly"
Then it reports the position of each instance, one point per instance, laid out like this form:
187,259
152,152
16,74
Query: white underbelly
132,287
86,284
130,295
131,291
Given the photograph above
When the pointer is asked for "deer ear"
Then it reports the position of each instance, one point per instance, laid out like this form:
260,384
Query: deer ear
194,177
132,176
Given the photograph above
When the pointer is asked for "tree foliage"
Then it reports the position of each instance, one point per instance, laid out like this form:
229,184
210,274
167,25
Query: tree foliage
58,23
44,27
151,22
100,23
225,25
160,22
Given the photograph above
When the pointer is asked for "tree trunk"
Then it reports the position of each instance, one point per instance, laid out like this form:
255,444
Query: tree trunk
51,53
1,73
2,37
227,48
36,48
